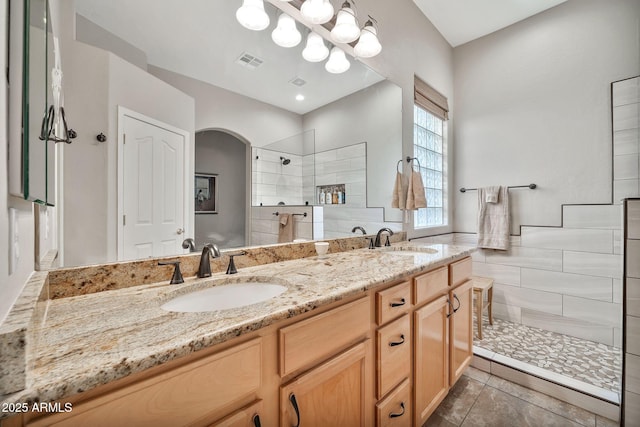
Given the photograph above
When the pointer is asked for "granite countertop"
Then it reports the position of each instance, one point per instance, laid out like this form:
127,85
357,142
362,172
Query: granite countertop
89,340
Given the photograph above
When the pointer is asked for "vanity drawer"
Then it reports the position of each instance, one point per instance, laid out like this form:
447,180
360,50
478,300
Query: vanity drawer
182,396
393,302
430,285
395,410
393,354
315,339
460,271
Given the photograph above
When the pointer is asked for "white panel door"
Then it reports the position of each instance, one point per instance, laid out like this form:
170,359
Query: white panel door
153,190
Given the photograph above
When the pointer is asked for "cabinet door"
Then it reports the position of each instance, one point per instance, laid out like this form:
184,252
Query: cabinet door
333,394
431,371
461,328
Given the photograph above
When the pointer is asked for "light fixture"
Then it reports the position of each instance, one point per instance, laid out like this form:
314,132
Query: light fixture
338,62
368,45
317,11
346,29
315,50
299,97
252,16
286,34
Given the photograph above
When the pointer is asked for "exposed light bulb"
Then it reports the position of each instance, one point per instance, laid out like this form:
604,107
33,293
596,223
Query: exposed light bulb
315,50
286,34
252,16
368,45
346,29
338,62
317,11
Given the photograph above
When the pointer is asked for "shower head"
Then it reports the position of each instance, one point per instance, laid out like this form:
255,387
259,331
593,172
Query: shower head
285,161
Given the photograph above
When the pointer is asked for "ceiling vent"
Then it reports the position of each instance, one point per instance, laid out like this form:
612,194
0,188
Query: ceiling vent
250,61
297,81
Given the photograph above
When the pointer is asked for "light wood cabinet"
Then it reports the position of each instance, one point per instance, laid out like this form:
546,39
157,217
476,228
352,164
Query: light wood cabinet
431,357
393,354
393,302
249,416
461,330
395,409
333,394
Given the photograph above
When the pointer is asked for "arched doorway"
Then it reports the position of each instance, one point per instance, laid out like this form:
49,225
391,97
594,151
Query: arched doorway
223,155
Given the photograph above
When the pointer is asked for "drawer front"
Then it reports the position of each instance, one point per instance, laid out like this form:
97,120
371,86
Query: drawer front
242,417
315,339
393,302
395,410
460,271
179,397
393,354
430,285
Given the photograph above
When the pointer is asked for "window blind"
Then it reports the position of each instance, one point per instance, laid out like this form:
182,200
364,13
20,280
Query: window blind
430,99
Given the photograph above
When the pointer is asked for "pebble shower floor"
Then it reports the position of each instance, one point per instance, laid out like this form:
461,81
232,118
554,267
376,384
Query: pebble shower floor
587,361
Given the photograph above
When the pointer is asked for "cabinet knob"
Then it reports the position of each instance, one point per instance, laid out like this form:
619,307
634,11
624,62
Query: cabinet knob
398,304
455,310
395,343
294,403
256,420
179,231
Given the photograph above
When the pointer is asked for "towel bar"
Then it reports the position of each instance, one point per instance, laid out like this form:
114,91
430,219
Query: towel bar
408,159
302,214
531,186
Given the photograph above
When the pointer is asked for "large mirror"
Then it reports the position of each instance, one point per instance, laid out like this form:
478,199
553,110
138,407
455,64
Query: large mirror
178,90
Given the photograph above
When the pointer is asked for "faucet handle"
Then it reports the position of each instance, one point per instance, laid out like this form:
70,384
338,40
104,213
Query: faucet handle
231,269
176,279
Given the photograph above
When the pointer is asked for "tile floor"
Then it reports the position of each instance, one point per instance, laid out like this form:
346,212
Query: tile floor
482,399
586,361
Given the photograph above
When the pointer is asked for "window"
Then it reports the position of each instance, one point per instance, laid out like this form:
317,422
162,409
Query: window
430,113
428,149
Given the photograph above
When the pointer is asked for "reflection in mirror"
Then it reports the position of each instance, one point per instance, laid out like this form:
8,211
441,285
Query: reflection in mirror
188,80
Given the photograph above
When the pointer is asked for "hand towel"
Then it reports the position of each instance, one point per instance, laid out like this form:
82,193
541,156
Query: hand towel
492,194
415,194
399,199
493,220
285,229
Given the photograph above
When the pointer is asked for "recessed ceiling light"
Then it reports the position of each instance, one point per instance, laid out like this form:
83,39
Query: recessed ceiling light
299,97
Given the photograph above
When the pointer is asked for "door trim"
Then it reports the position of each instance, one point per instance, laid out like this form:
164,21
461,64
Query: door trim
188,181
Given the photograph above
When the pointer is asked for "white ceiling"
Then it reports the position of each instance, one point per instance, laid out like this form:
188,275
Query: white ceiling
461,21
202,39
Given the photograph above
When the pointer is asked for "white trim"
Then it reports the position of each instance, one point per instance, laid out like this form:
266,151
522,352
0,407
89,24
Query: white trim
188,181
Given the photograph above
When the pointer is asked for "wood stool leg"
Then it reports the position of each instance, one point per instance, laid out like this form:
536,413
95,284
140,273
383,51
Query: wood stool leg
490,304
479,313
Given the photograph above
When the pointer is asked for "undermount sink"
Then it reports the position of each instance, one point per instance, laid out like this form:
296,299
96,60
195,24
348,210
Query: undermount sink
409,251
224,297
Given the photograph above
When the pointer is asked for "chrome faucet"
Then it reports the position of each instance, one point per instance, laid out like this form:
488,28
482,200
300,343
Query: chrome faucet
210,249
382,230
356,228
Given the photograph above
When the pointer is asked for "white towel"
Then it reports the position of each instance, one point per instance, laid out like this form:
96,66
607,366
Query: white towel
285,229
492,195
415,195
493,220
399,198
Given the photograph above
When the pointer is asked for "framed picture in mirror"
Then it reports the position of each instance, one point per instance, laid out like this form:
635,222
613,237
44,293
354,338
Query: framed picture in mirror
206,193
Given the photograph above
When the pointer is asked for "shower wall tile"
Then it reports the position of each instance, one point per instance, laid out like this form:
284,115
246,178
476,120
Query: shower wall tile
632,375
617,337
633,219
617,291
597,288
507,312
617,242
565,325
479,257
352,151
626,117
528,298
592,216
633,296
543,259
587,240
633,335
599,312
625,166
624,188
504,274
631,406
633,258
603,265
626,142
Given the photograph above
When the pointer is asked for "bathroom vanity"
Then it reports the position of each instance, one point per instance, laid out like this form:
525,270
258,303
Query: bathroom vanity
362,337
